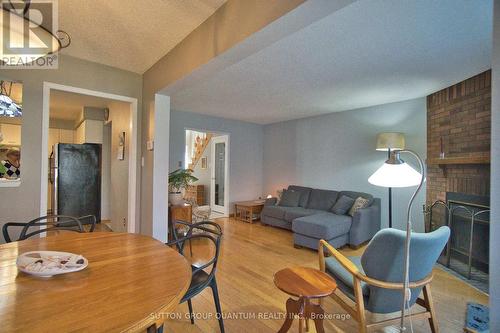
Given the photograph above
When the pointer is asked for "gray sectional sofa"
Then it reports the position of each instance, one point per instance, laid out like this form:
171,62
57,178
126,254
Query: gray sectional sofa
313,219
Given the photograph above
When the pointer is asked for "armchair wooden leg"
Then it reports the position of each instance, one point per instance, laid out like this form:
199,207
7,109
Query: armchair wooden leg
360,306
430,307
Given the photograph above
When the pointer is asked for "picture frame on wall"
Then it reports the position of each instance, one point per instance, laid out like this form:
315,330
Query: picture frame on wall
204,163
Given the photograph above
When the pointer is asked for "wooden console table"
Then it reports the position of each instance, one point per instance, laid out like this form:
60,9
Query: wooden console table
245,210
182,212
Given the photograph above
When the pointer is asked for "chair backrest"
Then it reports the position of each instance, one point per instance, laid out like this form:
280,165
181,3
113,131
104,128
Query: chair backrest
88,220
210,231
383,260
45,224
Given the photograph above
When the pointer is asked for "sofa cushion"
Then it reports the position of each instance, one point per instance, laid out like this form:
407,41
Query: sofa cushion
335,269
322,225
322,199
304,194
355,195
291,213
289,198
359,203
274,211
343,205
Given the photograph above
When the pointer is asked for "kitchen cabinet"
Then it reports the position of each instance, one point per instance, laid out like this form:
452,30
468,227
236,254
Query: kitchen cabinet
57,135
11,134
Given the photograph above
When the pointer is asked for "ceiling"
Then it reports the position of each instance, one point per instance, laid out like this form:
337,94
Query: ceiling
131,35
68,106
368,53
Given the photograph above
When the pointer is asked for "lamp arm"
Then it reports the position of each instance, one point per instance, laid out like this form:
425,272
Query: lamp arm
406,281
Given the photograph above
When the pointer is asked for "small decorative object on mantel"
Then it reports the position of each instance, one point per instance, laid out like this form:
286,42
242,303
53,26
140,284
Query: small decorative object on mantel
441,154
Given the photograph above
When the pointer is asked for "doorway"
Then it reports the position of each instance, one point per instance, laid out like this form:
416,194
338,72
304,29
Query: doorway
95,128
207,154
219,185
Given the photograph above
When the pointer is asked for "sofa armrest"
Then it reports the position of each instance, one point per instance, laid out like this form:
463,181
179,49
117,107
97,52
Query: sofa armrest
365,224
271,202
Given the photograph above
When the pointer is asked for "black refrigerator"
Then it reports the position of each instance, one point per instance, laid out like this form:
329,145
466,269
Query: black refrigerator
75,176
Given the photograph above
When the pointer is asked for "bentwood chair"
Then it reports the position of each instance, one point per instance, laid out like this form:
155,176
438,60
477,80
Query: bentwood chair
208,236
373,282
47,224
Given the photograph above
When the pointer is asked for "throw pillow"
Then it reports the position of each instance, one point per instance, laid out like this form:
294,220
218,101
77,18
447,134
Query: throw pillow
358,204
290,199
279,194
343,205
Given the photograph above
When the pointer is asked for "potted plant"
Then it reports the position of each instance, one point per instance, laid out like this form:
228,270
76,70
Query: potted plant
178,180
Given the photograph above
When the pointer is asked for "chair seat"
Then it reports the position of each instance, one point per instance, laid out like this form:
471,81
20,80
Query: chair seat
199,281
344,278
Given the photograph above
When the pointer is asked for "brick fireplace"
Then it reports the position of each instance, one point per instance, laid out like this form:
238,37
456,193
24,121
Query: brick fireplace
458,148
459,124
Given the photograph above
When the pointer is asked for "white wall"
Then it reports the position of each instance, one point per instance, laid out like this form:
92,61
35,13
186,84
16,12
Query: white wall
337,151
159,225
245,150
106,173
495,177
92,131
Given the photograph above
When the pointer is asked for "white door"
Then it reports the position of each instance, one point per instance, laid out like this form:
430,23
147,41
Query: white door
219,184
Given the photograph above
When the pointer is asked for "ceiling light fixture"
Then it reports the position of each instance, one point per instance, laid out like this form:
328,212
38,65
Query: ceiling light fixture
22,45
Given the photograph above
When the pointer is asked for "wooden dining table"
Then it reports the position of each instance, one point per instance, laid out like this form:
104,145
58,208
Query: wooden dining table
131,283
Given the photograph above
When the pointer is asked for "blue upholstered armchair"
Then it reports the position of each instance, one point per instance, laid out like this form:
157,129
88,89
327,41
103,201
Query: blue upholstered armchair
373,281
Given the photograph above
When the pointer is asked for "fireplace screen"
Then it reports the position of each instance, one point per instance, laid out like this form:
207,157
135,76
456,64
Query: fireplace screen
468,217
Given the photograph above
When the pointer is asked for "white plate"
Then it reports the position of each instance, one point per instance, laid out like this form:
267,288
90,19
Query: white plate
27,258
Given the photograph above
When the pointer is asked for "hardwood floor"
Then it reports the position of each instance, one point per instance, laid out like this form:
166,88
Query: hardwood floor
252,253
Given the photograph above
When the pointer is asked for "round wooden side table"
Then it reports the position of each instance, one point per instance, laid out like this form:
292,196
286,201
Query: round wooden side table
306,284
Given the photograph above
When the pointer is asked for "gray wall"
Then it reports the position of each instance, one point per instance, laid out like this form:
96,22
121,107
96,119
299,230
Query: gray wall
119,115
495,177
73,72
245,150
337,151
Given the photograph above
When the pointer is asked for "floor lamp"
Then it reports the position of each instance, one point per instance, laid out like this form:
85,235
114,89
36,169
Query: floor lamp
397,173
390,141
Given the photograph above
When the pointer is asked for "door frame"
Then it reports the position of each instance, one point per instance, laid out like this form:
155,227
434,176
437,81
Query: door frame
222,138
133,153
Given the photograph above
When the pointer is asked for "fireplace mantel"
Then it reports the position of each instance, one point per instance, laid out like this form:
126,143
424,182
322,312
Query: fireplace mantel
460,160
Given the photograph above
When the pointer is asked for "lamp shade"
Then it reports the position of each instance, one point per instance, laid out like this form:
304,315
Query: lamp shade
390,140
395,175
